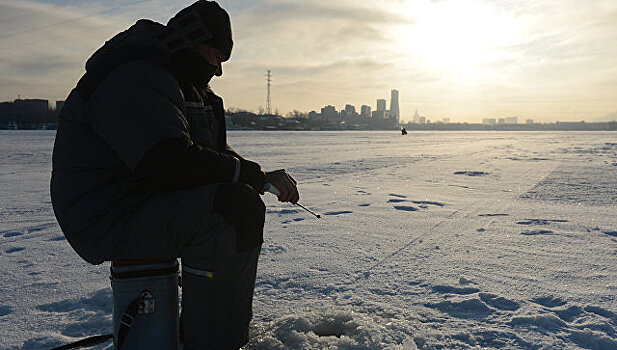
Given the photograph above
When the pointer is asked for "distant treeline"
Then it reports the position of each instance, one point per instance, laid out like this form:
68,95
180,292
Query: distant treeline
558,126
244,120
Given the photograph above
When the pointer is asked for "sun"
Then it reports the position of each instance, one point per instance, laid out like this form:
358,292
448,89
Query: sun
457,37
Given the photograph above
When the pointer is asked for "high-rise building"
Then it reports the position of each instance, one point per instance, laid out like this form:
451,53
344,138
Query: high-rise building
381,105
328,112
365,111
394,109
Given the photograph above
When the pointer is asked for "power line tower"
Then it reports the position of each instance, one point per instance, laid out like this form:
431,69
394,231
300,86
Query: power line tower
268,100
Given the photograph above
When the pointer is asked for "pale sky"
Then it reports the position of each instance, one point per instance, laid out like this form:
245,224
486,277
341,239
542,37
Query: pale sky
460,59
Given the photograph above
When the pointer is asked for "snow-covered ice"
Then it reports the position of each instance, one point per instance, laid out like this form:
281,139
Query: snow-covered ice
433,240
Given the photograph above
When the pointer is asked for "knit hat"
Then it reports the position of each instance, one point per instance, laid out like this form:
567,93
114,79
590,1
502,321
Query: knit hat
201,22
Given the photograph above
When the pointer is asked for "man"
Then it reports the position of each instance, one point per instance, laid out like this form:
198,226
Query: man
142,169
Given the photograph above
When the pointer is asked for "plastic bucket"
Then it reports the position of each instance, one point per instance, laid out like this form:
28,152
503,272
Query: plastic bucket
156,324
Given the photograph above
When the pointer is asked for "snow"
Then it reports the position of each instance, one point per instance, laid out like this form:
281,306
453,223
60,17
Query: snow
433,240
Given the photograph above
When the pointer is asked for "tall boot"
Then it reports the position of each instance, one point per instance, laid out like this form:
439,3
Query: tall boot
217,295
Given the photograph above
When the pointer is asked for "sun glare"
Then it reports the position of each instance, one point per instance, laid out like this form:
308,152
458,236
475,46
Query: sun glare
457,37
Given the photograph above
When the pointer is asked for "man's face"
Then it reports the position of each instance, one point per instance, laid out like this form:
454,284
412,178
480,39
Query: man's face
214,56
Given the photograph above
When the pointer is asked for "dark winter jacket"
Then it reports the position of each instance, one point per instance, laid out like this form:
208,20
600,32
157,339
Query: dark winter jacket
140,121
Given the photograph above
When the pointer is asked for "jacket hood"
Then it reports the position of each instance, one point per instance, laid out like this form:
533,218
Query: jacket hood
145,41
144,34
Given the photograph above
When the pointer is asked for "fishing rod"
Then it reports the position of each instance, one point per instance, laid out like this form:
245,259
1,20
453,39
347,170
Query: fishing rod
275,191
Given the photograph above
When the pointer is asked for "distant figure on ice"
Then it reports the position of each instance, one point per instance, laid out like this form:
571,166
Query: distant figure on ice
403,131
142,169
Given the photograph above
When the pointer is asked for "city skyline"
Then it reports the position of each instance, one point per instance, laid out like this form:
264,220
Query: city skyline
464,60
28,111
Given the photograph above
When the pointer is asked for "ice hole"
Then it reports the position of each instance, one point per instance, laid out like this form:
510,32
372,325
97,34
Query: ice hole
329,330
335,325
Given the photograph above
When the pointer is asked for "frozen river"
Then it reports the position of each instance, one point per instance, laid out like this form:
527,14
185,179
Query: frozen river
430,240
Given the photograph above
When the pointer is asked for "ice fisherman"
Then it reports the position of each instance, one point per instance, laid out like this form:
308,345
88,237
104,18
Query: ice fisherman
142,169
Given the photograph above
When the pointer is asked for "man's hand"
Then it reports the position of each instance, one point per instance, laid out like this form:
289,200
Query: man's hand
285,183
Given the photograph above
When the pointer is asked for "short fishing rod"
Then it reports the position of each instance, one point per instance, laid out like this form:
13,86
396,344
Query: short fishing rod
275,191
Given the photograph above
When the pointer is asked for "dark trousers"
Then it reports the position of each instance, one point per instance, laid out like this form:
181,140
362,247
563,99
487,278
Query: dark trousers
219,268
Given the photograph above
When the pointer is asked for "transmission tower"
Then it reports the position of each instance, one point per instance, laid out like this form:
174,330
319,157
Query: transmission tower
268,100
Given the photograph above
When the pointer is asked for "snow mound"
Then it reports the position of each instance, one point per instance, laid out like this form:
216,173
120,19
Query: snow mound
333,329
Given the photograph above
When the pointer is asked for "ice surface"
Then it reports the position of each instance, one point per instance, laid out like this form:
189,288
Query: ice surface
436,240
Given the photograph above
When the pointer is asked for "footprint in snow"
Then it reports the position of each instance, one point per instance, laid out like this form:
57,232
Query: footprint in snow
469,308
283,211
471,173
549,301
397,195
611,233
405,208
570,313
424,204
498,302
443,289
545,322
13,234
14,250
26,230
537,232
334,213
491,215
290,221
5,310
397,200
602,312
539,221
438,204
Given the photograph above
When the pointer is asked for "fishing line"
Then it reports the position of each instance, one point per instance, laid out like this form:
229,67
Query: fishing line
367,273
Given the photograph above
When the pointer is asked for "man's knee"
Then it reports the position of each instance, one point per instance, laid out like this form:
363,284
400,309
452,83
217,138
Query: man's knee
241,207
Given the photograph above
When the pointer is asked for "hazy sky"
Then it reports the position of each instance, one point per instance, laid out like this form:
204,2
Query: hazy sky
465,60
